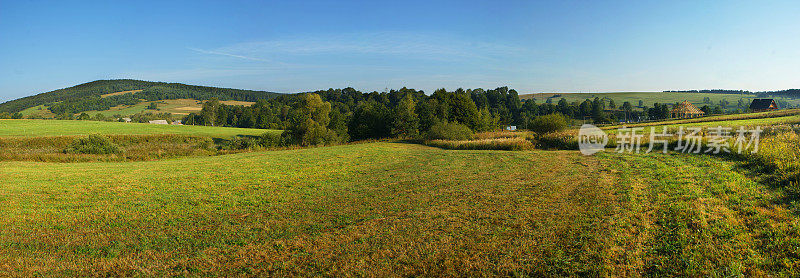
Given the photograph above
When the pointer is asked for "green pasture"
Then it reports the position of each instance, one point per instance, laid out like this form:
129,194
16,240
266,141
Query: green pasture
649,98
38,128
388,209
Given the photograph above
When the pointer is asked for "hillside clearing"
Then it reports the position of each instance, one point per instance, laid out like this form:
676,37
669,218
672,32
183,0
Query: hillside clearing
39,111
174,106
390,208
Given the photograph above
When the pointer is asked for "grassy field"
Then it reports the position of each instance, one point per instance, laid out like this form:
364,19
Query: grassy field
131,148
386,208
39,128
786,116
394,209
174,106
649,97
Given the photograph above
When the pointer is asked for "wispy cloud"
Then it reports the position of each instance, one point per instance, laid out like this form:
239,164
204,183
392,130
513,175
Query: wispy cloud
212,52
406,45
370,60
197,73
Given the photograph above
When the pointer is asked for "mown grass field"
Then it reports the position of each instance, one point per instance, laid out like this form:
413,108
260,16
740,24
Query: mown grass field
40,128
649,97
386,208
382,209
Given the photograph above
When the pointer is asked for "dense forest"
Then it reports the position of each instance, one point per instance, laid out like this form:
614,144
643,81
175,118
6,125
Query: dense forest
88,96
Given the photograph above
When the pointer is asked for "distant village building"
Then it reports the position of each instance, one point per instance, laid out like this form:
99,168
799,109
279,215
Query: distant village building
177,122
686,110
763,104
511,128
159,122
127,120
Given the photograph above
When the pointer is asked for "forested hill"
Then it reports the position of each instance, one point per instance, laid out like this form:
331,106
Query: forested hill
88,96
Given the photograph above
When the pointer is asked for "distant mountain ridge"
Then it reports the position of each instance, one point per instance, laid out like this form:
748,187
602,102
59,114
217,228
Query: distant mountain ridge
89,96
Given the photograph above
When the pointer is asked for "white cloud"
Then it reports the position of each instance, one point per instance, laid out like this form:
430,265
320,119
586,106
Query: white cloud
407,45
226,54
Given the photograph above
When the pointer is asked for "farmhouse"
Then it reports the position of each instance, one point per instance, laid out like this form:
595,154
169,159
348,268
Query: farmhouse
763,104
159,122
686,110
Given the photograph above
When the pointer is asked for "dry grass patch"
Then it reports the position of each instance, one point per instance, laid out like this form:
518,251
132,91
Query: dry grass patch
120,93
237,102
506,144
132,148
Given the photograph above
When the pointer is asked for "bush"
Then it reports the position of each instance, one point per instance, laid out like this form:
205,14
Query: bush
266,140
270,139
242,143
94,144
548,123
449,131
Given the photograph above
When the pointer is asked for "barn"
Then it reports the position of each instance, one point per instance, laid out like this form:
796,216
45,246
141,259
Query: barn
159,122
763,104
686,109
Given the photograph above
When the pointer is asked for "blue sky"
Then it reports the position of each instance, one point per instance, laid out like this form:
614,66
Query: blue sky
292,46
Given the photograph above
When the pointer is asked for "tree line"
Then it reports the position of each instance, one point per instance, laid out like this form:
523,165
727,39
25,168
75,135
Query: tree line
340,115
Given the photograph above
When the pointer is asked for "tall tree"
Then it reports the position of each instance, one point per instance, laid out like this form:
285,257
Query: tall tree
406,122
309,120
210,111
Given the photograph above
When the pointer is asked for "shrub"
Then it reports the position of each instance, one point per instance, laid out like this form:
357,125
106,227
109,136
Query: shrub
270,139
94,144
266,140
548,123
239,143
449,131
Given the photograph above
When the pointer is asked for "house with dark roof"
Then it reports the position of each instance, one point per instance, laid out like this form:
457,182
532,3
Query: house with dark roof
686,110
763,104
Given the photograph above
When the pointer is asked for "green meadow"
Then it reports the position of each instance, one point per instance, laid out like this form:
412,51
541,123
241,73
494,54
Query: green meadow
39,111
649,98
778,117
40,128
389,208
393,209
180,107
